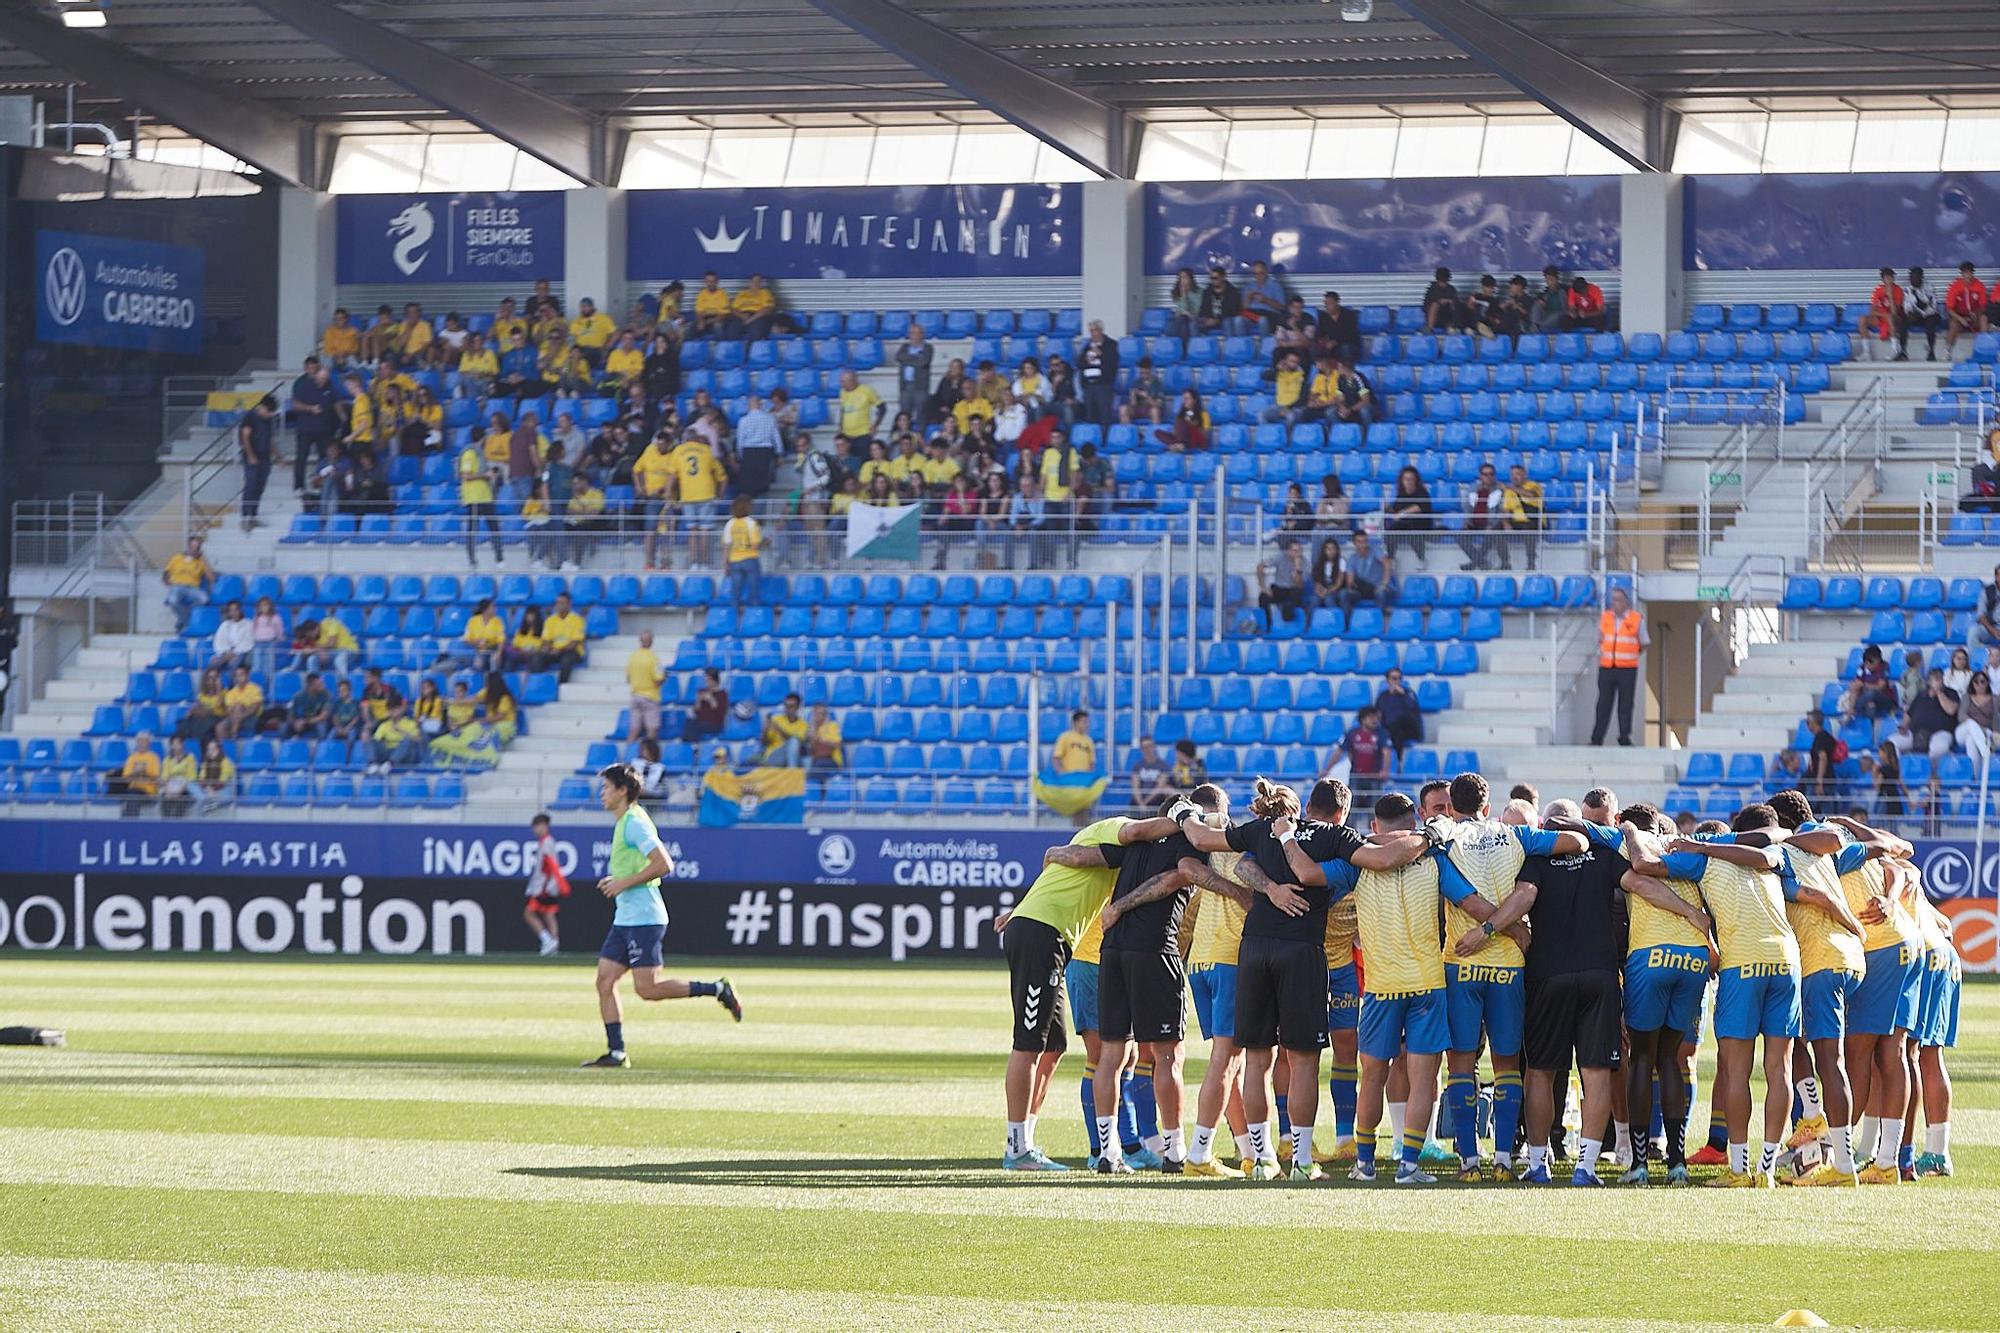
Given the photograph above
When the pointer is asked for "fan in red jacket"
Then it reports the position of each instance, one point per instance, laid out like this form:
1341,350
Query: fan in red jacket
1965,305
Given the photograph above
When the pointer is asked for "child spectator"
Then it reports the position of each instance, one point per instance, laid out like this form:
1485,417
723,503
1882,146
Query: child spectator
1965,306
1920,311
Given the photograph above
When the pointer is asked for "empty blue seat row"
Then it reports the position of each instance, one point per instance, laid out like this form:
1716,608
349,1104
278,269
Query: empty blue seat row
1843,592
1818,317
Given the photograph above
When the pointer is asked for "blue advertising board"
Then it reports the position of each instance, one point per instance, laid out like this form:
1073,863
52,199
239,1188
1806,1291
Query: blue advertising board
1495,224
430,238
1935,220
879,231
111,291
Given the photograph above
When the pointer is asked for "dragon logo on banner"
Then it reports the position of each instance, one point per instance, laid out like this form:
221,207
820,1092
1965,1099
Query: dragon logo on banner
415,226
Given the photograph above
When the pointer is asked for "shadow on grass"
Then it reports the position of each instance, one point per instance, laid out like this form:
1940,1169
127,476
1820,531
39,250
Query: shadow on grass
811,1173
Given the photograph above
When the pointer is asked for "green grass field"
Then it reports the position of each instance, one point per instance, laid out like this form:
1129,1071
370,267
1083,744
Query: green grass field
346,1145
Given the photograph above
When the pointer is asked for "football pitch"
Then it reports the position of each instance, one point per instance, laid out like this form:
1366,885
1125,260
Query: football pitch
410,1145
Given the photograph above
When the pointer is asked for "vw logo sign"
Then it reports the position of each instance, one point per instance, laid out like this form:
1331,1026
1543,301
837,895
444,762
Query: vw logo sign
836,854
1948,872
63,286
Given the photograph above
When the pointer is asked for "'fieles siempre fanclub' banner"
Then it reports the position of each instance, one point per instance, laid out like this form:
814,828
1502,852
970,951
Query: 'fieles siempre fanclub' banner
433,238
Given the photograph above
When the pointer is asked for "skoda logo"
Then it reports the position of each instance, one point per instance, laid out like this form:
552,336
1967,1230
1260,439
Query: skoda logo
62,286
836,854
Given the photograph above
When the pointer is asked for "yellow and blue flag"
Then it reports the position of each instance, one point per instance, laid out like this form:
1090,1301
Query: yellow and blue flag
760,796
1070,793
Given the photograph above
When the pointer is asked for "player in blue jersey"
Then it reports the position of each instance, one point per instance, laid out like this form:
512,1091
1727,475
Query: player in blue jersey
636,942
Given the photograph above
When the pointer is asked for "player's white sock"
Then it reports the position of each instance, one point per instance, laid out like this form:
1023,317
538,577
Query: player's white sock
1174,1151
1503,1160
543,936
1017,1138
1029,1125
1808,1089
1198,1147
1767,1158
1937,1139
1890,1141
1587,1153
1107,1135
1243,1148
1302,1144
1864,1137
1843,1148
1399,1112
1156,1144
1260,1143
1739,1159
1538,1155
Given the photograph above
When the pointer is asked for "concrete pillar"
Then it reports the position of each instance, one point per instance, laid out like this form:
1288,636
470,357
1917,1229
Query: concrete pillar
1114,248
594,249
305,272
1653,208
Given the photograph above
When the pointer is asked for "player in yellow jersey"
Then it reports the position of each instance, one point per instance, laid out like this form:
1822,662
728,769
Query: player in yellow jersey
1218,936
1038,935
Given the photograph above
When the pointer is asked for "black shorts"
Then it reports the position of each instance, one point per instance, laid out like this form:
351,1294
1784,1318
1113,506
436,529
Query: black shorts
1281,994
1036,956
1573,1014
1139,995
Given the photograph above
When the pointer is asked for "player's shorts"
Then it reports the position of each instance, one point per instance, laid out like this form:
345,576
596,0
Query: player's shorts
1343,999
1824,997
1764,1003
1080,980
1937,1009
1281,994
1392,1023
1573,1016
635,946
1495,998
1664,987
545,905
1890,991
1036,956
1139,996
1214,988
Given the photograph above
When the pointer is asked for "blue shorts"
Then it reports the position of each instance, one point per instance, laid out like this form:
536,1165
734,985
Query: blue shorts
1391,1024
1824,998
1937,1010
1214,989
1493,998
700,513
1763,1005
1664,987
1080,980
1343,999
635,946
1889,994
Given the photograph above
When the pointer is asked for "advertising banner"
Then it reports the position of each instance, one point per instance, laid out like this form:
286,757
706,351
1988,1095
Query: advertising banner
1492,224
1935,220
430,238
107,291
878,231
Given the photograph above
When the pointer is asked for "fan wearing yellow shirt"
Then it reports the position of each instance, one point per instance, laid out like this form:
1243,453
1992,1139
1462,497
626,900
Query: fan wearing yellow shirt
743,542
697,478
506,324
905,468
971,406
753,308
784,738
1288,390
938,468
335,645
414,334
562,365
477,364
625,364
360,413
711,309
475,496
563,638
243,700
591,330
486,635
189,578
340,344
1039,935
861,408
643,676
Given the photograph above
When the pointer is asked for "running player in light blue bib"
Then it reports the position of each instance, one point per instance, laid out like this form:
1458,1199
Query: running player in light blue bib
637,939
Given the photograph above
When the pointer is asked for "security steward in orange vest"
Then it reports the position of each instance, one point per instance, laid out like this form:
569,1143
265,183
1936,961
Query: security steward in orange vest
1621,634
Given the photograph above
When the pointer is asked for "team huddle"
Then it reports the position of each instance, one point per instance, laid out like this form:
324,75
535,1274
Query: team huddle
1580,937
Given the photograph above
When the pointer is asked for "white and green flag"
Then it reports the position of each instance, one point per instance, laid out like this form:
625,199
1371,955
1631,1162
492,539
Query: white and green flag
884,532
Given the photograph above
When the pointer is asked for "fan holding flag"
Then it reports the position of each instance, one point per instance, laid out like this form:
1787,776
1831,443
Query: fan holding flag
1073,782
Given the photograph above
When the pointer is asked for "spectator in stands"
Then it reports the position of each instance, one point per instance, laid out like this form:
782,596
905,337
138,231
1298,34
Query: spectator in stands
525,648
428,709
1062,405
378,698
754,312
396,742
1788,771
1030,387
527,449
189,579
476,478
1914,680
1323,580
1288,389
1366,750
563,368
1870,694
1523,513
563,636
1965,306
861,408
1295,524
1930,721
784,737
1076,752
242,702
1027,522
311,708
1480,307
1920,311
1337,330
1891,800
1586,305
1282,584
710,710
1350,397
334,644
315,412
234,639
1189,770
651,772
344,720
1621,637
206,712
256,438
1985,495
661,372
1883,318
949,393
1333,515
643,678
1513,313
823,741
816,473
1410,519
591,332
743,544
1402,719
759,439
1190,426
478,367
1297,331
1264,302
521,369
1551,307
994,520
1097,372
335,478
267,634
1061,476
177,778
1979,719
1989,610
1221,310
1010,423
340,341
137,780
1482,501
1146,400
413,334
449,346
913,371
1364,577
380,336
1958,675
1822,753
215,780
369,485
1184,304
499,709
712,308
1443,310
568,434
1151,780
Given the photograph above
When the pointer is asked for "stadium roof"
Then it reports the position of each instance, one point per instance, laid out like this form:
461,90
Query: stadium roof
268,79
